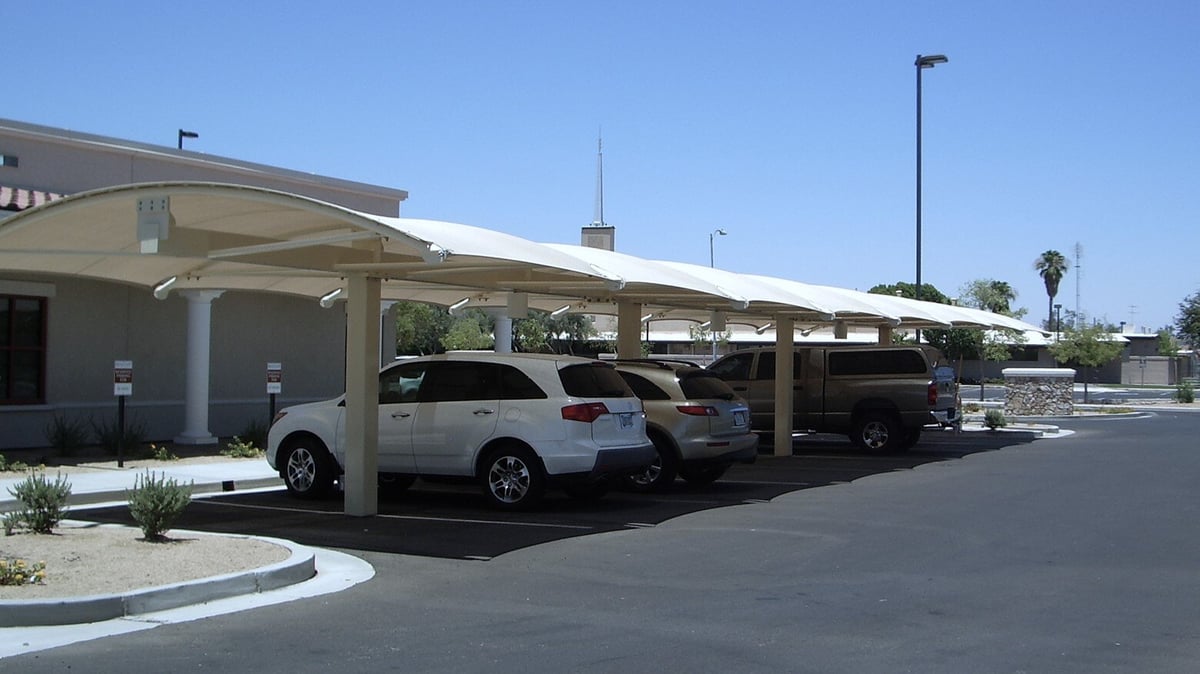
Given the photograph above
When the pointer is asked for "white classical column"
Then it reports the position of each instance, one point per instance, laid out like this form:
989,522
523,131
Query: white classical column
199,339
503,329
387,331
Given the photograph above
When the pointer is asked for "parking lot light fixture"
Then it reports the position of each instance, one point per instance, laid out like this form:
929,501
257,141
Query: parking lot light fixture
711,235
186,134
922,63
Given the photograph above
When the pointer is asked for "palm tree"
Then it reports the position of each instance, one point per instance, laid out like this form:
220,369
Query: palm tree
1051,265
1000,296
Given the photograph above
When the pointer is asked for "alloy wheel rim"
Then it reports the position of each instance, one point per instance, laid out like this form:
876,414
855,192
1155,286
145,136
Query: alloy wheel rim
509,479
302,470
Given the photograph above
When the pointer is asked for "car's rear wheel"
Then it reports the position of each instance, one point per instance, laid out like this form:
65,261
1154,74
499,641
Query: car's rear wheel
661,472
877,432
703,476
512,478
308,469
911,437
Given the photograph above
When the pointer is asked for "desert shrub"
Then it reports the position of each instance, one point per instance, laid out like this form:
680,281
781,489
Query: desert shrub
66,435
241,449
43,503
156,502
12,466
109,435
161,453
21,572
255,434
1185,393
994,419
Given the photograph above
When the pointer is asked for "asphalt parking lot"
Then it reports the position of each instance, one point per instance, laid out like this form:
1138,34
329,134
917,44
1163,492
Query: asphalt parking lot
453,521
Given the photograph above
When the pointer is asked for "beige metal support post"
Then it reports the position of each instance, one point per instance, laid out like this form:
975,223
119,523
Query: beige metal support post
629,330
785,356
360,483
885,334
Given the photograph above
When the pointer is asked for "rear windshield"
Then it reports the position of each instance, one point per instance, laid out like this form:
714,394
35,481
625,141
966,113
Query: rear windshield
703,384
900,361
593,380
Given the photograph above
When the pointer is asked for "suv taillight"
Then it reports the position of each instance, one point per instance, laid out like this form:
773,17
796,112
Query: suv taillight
697,410
585,412
933,393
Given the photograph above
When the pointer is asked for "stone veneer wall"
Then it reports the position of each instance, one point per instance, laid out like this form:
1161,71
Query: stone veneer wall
1039,391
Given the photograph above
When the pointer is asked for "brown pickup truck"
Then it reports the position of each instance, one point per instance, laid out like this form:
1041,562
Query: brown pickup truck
881,396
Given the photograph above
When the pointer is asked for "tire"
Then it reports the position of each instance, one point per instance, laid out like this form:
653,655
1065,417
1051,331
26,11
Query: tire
392,484
703,476
512,478
307,469
911,437
877,432
661,472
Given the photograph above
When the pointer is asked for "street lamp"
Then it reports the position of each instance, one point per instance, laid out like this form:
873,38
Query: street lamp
715,232
1057,321
921,63
186,134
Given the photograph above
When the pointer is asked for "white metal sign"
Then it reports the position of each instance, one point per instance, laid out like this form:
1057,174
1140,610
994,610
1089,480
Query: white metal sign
122,377
274,377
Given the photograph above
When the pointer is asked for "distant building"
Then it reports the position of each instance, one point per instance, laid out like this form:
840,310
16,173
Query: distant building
60,335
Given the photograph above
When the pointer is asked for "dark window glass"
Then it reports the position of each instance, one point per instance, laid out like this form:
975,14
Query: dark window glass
22,350
700,384
516,385
460,380
593,380
902,361
766,366
735,367
400,383
643,388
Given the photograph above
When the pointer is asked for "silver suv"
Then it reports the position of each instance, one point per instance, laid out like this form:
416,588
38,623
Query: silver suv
516,423
698,425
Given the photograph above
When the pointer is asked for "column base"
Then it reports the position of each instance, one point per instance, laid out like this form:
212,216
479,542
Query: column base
204,438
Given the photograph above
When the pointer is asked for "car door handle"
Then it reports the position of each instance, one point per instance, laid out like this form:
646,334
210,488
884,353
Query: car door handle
483,411
741,388
400,415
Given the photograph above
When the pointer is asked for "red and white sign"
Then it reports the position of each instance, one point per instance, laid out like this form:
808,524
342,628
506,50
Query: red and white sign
274,377
122,377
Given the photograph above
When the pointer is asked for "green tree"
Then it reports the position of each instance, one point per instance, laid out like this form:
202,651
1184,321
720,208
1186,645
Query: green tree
1088,347
1051,266
542,333
470,331
420,327
1187,323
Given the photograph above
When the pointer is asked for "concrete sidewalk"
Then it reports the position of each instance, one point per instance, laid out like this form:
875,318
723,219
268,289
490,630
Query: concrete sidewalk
105,482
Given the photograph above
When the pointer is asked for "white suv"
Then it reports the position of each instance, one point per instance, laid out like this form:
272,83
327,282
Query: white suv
516,423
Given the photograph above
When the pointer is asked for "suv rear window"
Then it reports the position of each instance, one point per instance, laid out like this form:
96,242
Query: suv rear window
903,361
593,380
701,384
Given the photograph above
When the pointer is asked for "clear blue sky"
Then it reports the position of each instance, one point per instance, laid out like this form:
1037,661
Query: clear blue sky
790,124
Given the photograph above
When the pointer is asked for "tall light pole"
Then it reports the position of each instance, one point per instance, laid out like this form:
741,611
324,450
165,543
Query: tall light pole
713,263
715,232
921,63
186,134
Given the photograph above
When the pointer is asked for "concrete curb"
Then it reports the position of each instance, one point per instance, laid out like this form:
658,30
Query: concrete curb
297,568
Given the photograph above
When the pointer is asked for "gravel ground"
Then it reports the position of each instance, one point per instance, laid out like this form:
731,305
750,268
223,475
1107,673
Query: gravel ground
88,560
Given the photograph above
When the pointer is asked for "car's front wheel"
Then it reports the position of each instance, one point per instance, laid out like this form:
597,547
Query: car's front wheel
512,478
308,469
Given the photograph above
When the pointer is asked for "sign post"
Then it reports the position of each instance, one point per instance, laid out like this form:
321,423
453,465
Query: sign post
122,388
274,386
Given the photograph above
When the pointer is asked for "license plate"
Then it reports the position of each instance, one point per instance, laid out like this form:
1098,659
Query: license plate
625,419
739,418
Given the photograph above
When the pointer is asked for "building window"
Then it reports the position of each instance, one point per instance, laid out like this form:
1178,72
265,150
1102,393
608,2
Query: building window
22,350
